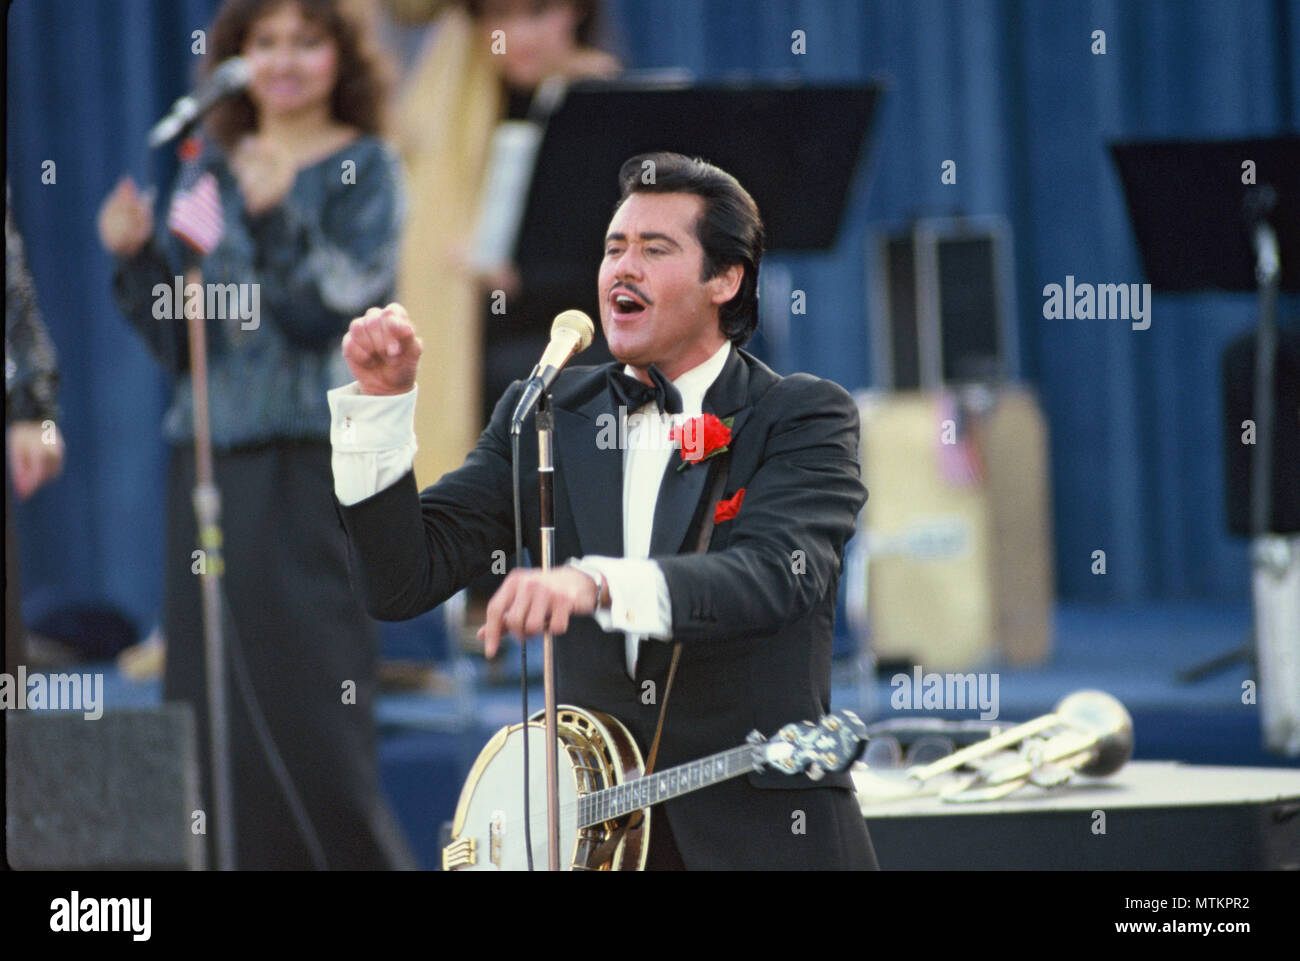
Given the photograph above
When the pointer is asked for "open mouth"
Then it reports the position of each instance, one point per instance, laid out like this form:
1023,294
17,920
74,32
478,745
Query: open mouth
626,305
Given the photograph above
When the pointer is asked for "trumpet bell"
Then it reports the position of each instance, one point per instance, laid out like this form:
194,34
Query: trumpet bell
1101,715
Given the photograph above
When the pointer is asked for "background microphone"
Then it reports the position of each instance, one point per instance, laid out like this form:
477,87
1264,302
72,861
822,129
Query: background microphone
571,333
230,77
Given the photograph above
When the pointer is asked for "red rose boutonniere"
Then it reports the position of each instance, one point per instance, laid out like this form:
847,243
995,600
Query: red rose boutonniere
701,437
729,508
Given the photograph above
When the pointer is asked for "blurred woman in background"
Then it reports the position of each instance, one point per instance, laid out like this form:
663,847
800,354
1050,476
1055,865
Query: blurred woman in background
34,443
311,203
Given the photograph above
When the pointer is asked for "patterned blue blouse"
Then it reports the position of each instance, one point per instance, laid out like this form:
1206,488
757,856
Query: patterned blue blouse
324,255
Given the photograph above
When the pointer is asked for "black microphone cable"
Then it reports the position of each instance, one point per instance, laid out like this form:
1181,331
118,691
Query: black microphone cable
523,649
266,741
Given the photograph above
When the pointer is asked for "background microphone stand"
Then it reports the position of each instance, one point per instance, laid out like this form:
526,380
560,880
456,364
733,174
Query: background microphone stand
1202,224
207,514
221,651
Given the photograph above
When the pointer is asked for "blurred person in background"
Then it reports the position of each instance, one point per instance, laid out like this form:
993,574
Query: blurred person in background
34,444
483,65
458,92
311,202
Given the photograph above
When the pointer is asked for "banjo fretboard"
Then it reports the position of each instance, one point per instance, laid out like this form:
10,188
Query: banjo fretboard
614,802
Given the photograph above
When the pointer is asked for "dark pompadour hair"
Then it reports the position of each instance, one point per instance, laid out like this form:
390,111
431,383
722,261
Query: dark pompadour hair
729,228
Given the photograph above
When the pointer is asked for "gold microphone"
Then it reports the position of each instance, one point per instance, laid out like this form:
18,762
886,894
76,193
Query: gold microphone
571,333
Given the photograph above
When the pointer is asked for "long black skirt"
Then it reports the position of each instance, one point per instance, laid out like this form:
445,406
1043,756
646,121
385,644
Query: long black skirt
296,632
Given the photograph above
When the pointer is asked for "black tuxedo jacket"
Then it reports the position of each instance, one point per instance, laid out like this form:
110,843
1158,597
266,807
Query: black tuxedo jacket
754,614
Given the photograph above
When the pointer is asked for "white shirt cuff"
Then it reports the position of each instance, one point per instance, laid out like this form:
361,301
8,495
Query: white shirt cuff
373,440
638,597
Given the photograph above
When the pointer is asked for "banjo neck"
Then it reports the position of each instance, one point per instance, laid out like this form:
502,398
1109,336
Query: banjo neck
642,792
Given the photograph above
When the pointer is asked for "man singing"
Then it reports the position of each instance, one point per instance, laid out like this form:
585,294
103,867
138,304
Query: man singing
754,613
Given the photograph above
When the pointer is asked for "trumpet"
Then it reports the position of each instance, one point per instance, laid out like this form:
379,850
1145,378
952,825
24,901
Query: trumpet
1088,733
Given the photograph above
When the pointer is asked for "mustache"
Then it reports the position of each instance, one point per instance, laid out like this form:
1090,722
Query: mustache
632,289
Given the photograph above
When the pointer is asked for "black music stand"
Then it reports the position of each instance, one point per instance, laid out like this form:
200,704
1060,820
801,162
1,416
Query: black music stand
795,147
1199,227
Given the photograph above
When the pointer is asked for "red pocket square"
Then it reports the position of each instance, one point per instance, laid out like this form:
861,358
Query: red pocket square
729,508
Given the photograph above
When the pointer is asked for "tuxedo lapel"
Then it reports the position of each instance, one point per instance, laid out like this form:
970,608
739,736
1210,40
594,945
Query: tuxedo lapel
679,495
680,491
589,471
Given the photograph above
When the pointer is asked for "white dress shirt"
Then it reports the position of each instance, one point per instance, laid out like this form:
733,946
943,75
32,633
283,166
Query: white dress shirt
374,446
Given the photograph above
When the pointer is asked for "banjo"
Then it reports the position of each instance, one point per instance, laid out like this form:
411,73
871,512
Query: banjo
601,784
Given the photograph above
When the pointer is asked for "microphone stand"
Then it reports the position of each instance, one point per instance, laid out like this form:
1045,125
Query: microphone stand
546,499
207,514
1275,577
579,328
1267,554
206,499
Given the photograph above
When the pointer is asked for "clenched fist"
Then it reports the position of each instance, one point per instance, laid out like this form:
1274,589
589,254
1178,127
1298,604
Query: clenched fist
382,351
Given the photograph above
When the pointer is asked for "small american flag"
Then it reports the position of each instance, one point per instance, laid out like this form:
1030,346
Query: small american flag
195,214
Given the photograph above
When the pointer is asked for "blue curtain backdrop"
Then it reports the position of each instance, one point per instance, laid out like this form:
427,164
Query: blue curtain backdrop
1006,88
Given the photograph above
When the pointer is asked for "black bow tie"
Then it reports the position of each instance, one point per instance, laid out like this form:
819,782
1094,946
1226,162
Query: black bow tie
633,394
